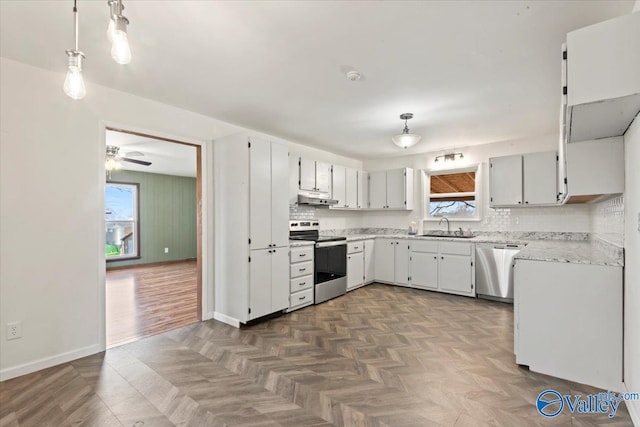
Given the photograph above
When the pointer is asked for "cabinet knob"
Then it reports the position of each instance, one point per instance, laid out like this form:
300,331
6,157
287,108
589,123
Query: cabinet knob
527,202
519,203
435,257
441,257
274,251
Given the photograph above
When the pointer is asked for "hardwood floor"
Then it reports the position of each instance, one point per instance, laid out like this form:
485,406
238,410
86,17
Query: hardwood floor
149,300
378,356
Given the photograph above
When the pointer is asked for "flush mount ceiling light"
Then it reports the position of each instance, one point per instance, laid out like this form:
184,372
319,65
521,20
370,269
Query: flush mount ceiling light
74,83
117,33
406,139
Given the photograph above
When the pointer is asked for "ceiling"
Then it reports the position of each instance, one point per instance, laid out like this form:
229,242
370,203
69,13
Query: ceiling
168,158
472,72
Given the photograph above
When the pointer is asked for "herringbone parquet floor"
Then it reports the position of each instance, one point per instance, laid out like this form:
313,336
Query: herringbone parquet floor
378,356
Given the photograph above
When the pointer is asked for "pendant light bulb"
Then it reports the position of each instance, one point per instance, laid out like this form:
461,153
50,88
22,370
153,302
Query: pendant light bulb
74,84
110,30
120,51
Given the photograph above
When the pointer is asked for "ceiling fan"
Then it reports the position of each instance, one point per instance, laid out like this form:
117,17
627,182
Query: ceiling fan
114,160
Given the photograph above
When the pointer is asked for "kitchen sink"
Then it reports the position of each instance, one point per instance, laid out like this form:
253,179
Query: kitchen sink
448,235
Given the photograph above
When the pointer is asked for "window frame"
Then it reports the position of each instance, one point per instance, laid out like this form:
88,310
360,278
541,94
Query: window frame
426,179
136,222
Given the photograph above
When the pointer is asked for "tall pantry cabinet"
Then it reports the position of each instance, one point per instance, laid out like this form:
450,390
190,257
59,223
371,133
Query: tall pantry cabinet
251,228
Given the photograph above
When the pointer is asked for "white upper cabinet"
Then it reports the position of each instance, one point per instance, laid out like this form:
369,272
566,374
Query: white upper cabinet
363,190
351,188
307,174
339,186
378,190
323,177
595,169
603,78
314,176
268,204
529,179
540,178
506,180
391,189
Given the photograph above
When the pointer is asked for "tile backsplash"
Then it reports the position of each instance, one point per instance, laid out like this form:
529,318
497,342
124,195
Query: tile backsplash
607,220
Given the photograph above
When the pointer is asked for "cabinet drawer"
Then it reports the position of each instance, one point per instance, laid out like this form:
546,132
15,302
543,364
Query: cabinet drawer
424,246
301,269
301,254
301,283
354,247
301,298
455,248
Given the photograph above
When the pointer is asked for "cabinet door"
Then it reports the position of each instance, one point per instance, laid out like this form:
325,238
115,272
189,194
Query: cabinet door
260,283
307,174
323,177
384,256
279,198
339,185
279,279
294,177
363,190
424,270
401,273
260,194
369,271
351,188
378,190
454,274
506,180
355,270
540,178
396,190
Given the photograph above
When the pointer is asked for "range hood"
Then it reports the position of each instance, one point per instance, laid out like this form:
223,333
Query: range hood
313,198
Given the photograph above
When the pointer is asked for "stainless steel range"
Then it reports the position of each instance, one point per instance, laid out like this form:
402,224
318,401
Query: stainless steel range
330,259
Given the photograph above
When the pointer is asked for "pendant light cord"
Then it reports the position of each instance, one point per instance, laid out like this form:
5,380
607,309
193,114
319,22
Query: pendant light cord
75,18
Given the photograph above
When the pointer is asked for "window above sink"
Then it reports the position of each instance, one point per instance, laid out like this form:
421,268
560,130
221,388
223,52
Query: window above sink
453,194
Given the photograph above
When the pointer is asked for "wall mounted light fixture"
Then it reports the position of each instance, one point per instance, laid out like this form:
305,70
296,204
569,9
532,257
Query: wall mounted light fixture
450,156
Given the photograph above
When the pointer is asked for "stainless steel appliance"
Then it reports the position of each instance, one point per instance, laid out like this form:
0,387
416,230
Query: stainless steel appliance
494,270
314,198
330,259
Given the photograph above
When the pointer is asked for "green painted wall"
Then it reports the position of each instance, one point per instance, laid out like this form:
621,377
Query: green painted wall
168,209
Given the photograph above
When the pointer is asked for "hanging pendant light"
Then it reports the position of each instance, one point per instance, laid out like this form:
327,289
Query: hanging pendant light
117,33
406,139
74,83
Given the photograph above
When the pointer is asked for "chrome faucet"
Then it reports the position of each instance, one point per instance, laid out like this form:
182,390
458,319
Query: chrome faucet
444,218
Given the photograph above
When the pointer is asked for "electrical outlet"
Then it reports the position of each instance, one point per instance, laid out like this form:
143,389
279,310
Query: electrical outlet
166,250
14,330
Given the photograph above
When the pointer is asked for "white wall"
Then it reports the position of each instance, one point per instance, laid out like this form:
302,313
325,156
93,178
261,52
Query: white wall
52,208
632,263
574,218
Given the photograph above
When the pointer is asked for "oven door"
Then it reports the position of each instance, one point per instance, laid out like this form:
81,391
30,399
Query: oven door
330,261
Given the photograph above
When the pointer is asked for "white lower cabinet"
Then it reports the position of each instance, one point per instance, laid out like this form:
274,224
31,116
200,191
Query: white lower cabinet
268,284
392,261
568,321
359,263
300,277
443,266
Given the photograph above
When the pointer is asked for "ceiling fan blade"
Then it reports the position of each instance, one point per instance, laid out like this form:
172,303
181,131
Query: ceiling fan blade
139,162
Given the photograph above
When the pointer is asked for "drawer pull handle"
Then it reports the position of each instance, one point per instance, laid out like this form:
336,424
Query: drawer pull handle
301,298
301,269
302,283
302,255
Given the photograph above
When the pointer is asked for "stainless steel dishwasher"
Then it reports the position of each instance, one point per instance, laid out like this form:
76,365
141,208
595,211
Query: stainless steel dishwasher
494,272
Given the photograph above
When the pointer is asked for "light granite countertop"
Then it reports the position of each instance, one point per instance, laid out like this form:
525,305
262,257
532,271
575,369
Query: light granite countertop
575,252
300,243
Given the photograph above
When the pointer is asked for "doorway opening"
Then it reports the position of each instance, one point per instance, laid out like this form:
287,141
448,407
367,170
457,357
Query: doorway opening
153,235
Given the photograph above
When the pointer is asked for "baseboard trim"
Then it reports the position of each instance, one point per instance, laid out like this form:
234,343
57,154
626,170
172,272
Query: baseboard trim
226,319
208,315
633,406
148,264
48,362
